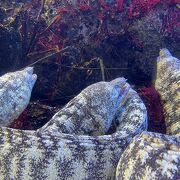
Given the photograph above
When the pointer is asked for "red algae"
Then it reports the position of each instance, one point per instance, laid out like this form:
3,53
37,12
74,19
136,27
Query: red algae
151,98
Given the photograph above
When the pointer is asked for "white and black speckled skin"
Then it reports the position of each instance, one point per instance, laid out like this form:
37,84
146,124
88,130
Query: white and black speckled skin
168,85
152,155
96,107
15,92
92,111
64,149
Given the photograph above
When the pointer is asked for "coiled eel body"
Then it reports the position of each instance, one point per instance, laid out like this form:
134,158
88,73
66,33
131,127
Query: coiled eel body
152,155
74,144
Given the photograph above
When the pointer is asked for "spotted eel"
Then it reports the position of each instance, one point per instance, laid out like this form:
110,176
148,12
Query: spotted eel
76,144
168,85
152,155
15,92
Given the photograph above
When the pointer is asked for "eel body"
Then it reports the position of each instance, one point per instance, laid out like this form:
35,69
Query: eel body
96,108
63,149
168,85
76,145
152,155
15,92
92,111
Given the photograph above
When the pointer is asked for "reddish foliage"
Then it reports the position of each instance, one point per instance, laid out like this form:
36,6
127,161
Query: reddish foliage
62,10
172,1
135,40
51,42
19,122
83,5
141,6
34,116
151,98
45,38
119,5
107,7
171,20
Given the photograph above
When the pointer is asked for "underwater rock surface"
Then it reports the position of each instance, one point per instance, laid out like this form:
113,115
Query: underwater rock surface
50,154
15,93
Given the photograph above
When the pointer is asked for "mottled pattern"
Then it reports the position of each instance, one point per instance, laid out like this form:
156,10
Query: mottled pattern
97,107
63,149
92,111
168,85
15,92
150,156
32,155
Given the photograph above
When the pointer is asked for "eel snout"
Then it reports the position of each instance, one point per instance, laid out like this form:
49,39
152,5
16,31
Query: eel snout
30,71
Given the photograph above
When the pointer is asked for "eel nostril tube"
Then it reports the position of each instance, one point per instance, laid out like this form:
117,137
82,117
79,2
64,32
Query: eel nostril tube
29,70
34,77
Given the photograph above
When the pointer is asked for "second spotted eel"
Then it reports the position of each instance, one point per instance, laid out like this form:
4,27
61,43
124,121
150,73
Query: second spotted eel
153,155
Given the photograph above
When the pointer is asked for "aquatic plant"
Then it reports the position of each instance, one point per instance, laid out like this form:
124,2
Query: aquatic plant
151,98
51,25
141,6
